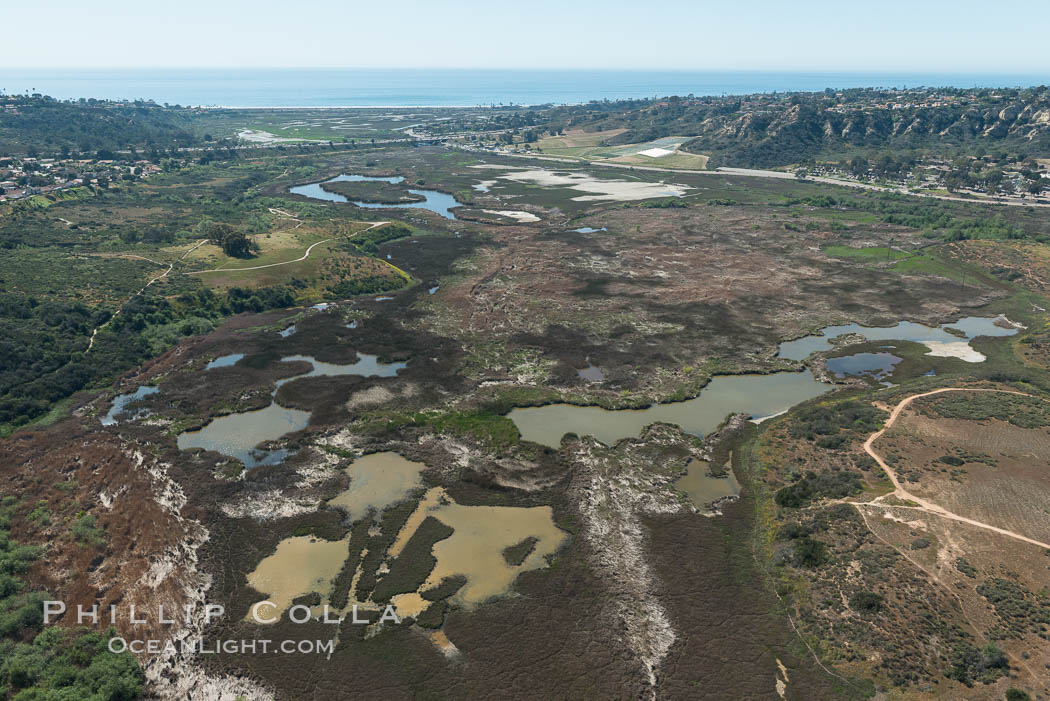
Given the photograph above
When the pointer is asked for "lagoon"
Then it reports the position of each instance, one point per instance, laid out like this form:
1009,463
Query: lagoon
239,435
938,339
756,395
438,202
121,402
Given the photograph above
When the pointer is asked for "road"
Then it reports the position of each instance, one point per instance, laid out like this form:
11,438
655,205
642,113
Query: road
923,504
781,175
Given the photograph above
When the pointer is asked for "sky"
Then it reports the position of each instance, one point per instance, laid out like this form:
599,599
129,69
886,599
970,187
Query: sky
830,35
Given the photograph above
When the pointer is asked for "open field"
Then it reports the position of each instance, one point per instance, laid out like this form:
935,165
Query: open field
318,259
575,142
318,124
989,469
586,146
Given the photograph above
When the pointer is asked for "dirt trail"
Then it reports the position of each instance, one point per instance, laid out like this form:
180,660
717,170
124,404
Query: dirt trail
922,504
171,266
282,213
287,262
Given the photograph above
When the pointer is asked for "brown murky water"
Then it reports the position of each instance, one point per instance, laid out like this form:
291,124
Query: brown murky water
300,565
702,488
304,564
430,500
475,549
377,481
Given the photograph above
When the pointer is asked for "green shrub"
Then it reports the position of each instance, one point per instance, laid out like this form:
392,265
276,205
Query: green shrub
810,552
866,602
834,485
831,420
87,532
56,663
965,567
970,664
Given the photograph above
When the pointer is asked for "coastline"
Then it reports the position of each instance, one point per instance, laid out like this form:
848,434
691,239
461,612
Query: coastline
379,107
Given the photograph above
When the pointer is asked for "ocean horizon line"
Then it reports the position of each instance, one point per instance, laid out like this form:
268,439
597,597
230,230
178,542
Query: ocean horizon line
562,69
429,88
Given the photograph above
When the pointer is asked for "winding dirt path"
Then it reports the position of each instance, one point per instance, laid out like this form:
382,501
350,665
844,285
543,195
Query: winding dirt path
287,262
171,266
282,213
924,504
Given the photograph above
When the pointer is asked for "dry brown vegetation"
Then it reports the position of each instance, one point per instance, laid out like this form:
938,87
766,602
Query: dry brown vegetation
645,591
893,590
708,287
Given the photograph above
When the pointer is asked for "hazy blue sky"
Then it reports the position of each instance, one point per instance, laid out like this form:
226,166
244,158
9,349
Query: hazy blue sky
838,35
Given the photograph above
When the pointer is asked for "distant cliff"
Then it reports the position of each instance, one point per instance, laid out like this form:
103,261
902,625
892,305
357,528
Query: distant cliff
781,129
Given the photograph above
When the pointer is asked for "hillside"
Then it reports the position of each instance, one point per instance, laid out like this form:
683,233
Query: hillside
779,129
42,125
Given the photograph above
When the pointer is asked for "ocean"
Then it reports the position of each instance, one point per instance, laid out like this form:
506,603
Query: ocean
350,87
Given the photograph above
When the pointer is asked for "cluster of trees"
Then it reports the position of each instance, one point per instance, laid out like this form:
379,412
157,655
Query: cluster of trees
979,174
370,241
42,125
885,165
52,662
233,241
805,550
831,485
518,120
936,219
816,421
36,340
372,284
42,345
970,663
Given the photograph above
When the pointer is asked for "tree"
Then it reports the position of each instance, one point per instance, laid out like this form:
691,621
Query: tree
214,231
233,242
238,245
858,165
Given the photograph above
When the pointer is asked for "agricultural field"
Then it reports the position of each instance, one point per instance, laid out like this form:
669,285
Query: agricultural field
360,125
587,146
